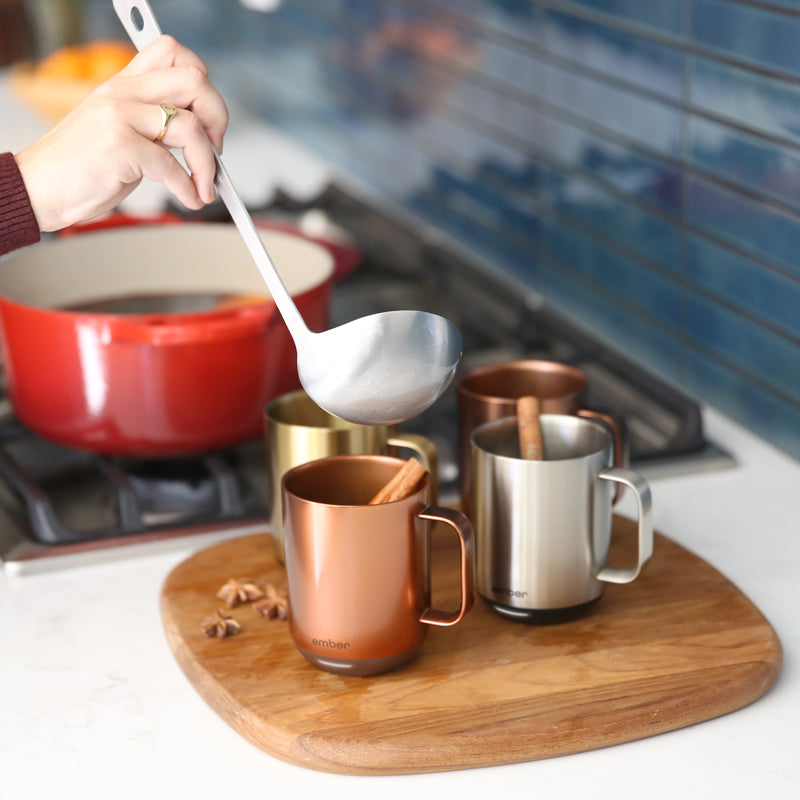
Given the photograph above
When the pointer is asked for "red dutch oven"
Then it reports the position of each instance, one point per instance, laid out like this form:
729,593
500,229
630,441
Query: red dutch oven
162,383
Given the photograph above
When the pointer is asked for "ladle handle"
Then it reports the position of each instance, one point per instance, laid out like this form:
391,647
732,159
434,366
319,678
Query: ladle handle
244,222
142,27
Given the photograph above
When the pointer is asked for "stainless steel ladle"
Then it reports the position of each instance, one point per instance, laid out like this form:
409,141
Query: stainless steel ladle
380,369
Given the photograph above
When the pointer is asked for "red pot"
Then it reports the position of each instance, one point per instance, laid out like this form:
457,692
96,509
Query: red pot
152,384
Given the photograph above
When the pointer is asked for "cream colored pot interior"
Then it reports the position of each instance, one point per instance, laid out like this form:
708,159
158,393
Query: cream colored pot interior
195,257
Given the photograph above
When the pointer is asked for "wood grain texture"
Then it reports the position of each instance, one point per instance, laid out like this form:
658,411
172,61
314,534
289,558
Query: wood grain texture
679,646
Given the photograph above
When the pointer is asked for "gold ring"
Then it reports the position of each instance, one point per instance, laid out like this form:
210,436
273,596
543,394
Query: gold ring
167,113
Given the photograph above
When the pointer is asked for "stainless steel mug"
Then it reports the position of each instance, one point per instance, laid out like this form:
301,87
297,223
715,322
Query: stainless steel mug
543,528
297,430
359,575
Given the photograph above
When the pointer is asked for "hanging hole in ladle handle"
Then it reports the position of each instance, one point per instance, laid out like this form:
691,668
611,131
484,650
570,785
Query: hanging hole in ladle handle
137,19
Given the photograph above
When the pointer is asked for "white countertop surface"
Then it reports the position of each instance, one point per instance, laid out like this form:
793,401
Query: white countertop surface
92,703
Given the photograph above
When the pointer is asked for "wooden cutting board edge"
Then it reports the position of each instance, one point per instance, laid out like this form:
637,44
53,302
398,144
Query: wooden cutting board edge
743,685
566,722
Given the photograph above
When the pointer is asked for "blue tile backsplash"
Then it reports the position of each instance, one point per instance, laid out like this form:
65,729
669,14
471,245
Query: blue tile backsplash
635,162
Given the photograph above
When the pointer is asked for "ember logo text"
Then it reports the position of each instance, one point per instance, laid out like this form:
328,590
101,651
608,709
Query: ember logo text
504,590
330,643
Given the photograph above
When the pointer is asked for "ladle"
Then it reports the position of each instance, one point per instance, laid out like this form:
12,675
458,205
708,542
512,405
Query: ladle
376,370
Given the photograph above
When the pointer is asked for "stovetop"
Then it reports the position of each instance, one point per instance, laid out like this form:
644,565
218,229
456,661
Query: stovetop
60,506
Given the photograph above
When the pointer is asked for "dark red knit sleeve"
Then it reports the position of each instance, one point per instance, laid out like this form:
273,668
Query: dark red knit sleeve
18,226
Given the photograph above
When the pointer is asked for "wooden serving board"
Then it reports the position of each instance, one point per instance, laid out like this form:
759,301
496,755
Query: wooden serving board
678,646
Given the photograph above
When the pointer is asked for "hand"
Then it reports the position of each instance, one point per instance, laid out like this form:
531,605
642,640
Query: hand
99,153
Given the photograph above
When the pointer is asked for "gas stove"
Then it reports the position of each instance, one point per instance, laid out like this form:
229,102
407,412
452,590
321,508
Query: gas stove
61,507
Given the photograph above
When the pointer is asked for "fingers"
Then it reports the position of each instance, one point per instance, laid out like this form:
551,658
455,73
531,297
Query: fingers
122,132
158,164
163,52
165,71
186,131
202,114
185,87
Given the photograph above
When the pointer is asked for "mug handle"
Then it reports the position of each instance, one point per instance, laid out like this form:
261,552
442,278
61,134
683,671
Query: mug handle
426,450
620,458
644,503
463,527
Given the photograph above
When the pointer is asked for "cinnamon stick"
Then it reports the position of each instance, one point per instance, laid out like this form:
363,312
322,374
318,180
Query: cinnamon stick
402,484
530,431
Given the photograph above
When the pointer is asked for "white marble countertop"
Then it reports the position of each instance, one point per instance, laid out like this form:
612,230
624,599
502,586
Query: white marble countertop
92,703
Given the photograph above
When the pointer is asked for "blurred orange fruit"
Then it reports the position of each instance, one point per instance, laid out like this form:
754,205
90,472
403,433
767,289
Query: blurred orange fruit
94,62
106,58
68,62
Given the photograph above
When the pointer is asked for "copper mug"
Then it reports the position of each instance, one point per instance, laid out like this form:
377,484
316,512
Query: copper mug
297,430
491,392
359,575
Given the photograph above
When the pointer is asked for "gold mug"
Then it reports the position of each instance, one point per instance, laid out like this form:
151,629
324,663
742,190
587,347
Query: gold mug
297,430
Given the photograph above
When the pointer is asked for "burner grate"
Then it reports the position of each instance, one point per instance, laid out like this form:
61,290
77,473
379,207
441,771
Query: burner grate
67,496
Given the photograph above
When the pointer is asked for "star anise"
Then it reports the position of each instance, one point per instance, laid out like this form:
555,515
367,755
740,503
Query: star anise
239,590
275,604
220,625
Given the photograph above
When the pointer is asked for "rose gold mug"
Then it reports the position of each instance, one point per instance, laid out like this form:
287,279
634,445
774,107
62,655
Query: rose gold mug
491,392
358,574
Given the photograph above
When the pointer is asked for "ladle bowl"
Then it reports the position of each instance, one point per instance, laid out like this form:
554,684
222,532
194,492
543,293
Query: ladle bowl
397,364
